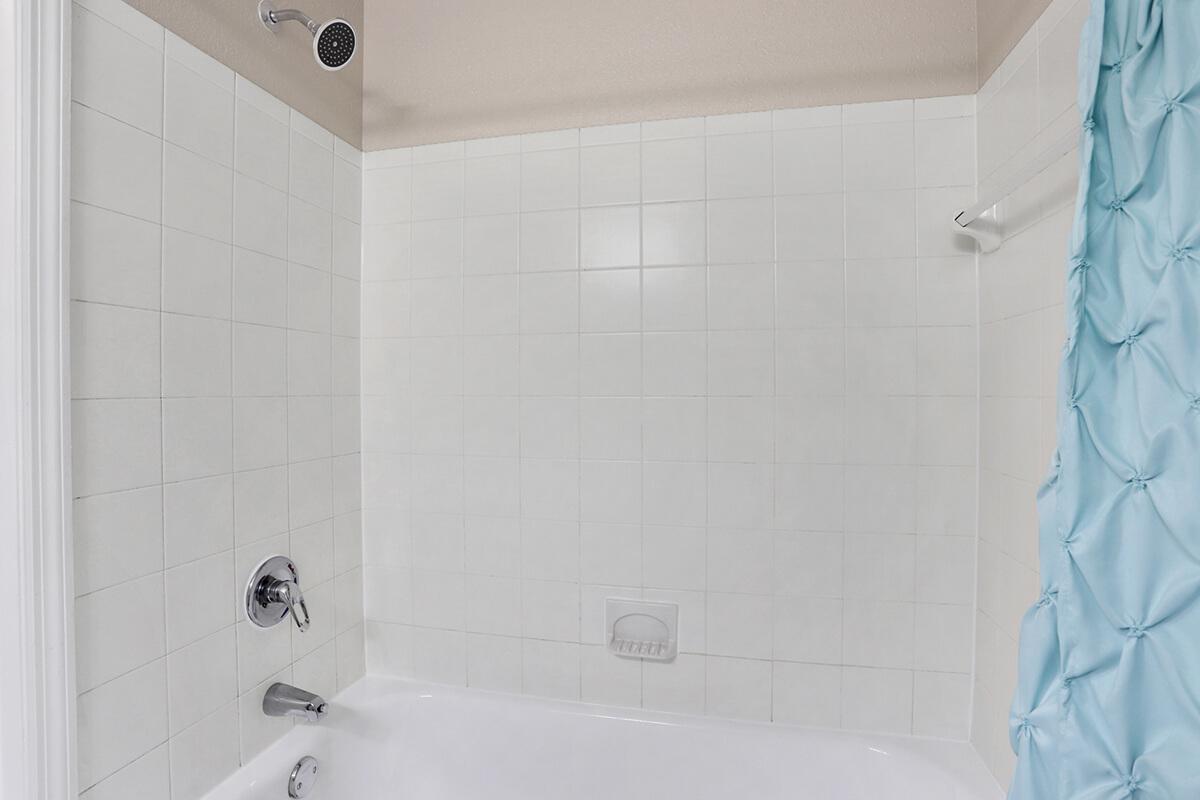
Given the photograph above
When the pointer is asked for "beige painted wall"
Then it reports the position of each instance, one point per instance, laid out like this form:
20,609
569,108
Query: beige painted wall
442,70
1002,23
281,63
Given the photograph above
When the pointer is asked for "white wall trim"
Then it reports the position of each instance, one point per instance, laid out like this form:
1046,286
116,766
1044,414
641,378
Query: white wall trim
37,688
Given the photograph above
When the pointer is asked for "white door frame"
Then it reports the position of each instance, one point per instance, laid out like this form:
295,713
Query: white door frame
37,676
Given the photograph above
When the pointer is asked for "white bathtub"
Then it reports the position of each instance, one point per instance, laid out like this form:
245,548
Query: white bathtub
388,739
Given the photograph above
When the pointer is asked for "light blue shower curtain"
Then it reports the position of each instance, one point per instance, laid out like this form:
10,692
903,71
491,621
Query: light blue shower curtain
1108,698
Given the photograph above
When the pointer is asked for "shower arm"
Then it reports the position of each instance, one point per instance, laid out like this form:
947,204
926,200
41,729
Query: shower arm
272,17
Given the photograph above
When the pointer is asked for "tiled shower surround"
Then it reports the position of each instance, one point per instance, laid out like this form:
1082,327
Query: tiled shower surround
214,316
725,362
1026,105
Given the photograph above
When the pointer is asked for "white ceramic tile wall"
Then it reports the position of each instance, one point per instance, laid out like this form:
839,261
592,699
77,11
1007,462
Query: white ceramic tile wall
1027,104
726,362
215,291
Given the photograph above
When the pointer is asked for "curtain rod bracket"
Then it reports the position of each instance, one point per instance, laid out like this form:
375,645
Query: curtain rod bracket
988,235
982,231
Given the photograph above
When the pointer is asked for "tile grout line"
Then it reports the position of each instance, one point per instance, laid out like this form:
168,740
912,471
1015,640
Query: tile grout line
162,404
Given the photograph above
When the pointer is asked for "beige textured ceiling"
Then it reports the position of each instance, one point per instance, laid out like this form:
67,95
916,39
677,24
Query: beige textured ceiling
443,70
440,70
1002,23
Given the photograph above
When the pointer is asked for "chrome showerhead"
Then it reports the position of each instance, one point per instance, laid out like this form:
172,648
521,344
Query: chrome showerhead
334,42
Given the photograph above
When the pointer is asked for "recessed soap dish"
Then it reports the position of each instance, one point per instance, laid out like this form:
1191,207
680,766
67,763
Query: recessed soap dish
641,629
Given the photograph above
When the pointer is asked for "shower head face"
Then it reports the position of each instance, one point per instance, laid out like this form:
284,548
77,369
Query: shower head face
334,44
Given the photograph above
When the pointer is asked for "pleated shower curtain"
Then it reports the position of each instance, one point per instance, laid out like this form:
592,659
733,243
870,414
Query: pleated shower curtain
1108,697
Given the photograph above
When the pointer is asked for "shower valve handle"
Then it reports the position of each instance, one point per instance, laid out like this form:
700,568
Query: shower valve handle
288,593
273,594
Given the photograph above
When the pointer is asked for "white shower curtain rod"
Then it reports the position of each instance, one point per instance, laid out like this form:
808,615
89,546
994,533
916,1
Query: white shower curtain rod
989,239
